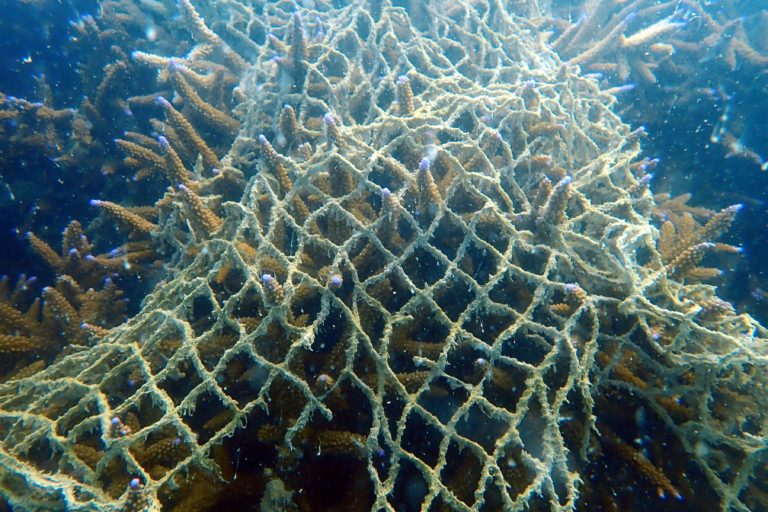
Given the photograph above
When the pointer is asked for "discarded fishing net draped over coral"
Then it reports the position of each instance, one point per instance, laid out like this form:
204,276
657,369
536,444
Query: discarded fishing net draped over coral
425,261
694,74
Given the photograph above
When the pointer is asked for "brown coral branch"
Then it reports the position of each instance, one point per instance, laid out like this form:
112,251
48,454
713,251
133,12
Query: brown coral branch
208,112
175,170
45,251
190,135
404,95
276,164
125,216
553,213
655,475
200,215
10,344
203,33
65,314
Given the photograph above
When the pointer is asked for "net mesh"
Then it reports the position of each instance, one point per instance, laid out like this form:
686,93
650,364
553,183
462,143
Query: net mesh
442,264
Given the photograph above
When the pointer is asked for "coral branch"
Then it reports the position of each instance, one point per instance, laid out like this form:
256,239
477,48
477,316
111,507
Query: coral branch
553,213
200,215
276,164
206,111
125,216
404,95
190,135
175,170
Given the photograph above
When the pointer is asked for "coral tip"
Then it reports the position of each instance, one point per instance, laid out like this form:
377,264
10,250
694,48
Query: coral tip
335,281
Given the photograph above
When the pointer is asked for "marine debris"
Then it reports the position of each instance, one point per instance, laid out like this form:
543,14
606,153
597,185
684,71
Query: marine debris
411,265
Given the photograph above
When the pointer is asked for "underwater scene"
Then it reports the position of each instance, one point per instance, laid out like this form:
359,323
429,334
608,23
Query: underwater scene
384,255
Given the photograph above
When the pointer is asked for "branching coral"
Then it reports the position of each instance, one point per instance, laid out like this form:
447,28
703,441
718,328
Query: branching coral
439,294
36,330
685,54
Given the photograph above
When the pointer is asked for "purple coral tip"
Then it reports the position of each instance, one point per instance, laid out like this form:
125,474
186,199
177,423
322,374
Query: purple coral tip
163,102
135,483
402,79
90,257
737,207
566,181
386,193
94,202
163,142
328,118
115,421
424,164
262,139
570,287
336,280
266,278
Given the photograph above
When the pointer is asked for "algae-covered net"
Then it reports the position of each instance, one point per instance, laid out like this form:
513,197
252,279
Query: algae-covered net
442,273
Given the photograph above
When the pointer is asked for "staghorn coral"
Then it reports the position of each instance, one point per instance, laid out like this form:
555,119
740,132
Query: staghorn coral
66,126
634,39
402,294
684,242
623,40
76,260
36,330
686,54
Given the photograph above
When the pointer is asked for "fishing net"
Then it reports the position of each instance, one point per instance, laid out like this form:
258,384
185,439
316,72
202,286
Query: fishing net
441,266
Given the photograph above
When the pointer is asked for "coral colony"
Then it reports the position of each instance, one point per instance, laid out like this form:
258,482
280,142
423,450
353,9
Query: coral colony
408,262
